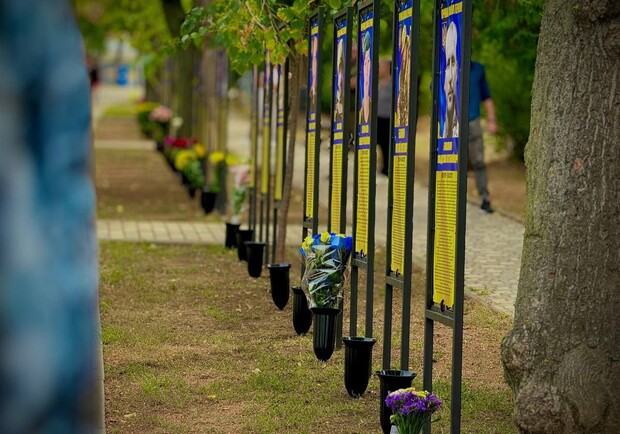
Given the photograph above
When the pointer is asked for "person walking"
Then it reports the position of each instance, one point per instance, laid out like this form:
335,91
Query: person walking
384,109
479,94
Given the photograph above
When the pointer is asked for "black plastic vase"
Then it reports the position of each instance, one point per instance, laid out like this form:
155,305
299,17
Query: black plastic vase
231,235
302,316
191,191
391,380
280,283
243,235
207,200
357,364
255,258
324,336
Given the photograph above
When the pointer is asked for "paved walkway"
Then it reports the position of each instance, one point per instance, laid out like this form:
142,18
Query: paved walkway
493,242
173,232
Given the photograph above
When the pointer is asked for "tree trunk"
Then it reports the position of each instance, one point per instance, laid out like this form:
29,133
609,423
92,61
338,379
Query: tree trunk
153,86
293,114
184,67
562,357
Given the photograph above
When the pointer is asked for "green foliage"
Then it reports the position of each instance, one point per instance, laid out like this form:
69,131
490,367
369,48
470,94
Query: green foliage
505,42
140,21
247,28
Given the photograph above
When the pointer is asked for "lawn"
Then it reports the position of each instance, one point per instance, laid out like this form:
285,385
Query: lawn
194,345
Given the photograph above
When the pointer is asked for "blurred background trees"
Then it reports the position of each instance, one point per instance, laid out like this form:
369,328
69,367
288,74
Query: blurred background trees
504,39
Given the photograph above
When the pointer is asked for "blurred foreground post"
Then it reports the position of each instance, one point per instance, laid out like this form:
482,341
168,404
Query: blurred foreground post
49,338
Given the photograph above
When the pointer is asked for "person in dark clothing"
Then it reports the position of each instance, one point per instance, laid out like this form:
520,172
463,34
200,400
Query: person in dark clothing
384,108
479,93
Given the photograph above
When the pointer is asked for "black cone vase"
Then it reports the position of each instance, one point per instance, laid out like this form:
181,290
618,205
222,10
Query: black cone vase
280,283
357,364
243,235
192,192
390,381
302,317
324,336
255,258
231,235
207,201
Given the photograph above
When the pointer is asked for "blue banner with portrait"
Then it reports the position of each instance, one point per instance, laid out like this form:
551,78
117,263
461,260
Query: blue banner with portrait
402,76
339,86
364,84
450,62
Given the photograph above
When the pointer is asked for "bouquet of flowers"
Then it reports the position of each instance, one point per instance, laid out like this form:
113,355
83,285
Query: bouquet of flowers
240,191
154,120
412,410
326,256
161,114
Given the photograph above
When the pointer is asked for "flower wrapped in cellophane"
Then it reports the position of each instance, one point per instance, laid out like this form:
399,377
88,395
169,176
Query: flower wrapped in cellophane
411,409
325,256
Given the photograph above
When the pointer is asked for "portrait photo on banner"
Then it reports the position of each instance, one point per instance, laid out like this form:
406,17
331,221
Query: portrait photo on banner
403,62
314,60
339,79
449,69
365,68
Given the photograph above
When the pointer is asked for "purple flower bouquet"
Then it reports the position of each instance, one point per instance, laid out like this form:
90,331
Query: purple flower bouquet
412,410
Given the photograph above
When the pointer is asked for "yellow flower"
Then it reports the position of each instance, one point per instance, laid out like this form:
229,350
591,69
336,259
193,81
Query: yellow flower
232,160
307,243
216,157
183,158
325,237
200,150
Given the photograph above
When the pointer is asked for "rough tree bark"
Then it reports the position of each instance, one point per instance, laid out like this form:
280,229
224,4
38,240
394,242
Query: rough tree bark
294,85
562,357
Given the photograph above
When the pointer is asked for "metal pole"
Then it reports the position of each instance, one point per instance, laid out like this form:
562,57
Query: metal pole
366,141
429,324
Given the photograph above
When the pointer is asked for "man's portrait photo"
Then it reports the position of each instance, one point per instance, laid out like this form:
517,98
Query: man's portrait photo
365,100
450,82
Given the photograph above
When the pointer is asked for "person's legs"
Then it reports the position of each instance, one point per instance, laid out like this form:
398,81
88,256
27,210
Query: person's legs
476,158
383,139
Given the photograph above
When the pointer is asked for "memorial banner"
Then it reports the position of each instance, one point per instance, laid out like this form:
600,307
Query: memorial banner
339,87
364,109
279,84
446,183
253,129
314,120
400,133
265,162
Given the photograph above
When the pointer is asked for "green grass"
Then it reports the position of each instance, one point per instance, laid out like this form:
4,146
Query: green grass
192,344
124,110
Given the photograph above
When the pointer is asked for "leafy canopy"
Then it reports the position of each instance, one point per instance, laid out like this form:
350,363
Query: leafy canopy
247,28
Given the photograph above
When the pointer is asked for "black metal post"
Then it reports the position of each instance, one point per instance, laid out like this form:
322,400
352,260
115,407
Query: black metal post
450,17
266,158
253,151
402,162
341,62
281,130
313,125
365,159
